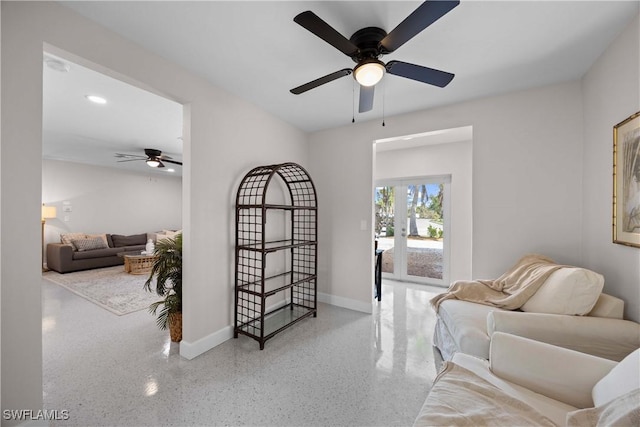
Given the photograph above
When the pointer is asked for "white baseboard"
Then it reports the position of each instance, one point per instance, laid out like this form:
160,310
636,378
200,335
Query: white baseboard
349,303
190,350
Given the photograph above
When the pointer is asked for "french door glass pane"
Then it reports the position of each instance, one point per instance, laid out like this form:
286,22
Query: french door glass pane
385,206
424,230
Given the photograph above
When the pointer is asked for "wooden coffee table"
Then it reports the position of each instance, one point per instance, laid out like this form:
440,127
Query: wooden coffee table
137,263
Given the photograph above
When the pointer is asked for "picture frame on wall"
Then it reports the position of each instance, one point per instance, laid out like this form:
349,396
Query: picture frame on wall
626,181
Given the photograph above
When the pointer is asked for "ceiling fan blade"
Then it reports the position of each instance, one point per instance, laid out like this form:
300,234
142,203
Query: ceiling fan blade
128,156
419,73
131,160
426,14
171,161
326,32
366,98
322,80
161,165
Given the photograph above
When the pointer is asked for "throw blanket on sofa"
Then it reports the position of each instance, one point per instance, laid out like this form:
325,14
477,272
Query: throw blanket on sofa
510,291
623,411
461,398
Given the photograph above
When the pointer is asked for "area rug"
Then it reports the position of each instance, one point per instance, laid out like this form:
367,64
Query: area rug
110,288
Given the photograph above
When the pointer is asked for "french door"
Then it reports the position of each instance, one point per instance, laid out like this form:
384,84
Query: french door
412,228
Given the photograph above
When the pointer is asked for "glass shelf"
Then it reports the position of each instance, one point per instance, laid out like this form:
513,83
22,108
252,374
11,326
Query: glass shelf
276,245
276,321
255,287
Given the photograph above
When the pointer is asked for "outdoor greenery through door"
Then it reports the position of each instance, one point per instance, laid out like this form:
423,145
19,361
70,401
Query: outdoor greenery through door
410,219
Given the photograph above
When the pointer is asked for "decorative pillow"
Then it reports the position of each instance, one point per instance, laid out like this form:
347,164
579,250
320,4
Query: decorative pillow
102,236
68,237
167,234
89,244
569,290
133,240
624,377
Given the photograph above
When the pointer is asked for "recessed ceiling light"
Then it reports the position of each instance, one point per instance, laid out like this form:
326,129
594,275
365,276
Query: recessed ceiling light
57,65
96,99
171,170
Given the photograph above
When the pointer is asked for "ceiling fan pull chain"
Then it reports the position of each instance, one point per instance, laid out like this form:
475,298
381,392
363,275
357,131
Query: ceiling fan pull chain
353,102
384,96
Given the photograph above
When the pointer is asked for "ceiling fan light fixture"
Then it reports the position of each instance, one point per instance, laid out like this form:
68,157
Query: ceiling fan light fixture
153,163
369,73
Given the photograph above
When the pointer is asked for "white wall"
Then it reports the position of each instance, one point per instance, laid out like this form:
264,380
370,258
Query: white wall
452,159
611,91
527,183
1,205
108,200
219,147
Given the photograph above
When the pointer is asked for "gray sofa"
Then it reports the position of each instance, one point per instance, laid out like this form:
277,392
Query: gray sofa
64,258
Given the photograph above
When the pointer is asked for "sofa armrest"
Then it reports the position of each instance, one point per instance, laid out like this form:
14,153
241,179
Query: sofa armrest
608,306
59,257
609,338
555,372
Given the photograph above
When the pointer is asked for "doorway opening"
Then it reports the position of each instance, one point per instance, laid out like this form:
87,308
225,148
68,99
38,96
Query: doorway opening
422,206
104,190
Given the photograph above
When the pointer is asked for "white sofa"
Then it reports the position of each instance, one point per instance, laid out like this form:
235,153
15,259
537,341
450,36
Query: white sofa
466,327
526,382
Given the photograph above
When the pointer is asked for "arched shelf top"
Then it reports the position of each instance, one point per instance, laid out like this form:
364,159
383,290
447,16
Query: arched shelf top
253,187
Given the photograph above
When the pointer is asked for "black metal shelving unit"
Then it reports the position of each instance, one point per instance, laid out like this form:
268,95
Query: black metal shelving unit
293,285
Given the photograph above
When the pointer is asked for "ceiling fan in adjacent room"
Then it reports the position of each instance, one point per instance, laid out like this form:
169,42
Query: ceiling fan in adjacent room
154,158
367,45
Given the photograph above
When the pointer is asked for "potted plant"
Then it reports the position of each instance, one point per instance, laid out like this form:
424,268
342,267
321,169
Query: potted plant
167,269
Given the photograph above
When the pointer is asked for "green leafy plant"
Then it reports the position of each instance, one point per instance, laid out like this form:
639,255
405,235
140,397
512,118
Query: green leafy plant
390,231
167,269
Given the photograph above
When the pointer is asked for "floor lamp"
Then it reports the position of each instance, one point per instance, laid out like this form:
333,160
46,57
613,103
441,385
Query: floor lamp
48,212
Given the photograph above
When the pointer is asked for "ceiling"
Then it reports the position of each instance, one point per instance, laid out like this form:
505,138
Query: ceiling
256,51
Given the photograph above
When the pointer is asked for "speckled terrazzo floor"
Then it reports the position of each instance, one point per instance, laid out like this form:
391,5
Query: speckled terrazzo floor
343,368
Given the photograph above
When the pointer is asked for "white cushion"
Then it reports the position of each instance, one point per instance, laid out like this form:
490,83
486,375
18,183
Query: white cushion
604,337
620,380
555,372
569,290
551,408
